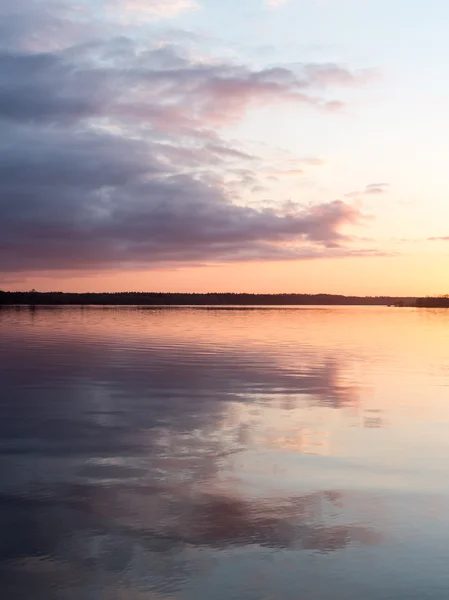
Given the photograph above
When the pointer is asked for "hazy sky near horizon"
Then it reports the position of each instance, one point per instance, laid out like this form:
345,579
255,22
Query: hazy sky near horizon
202,145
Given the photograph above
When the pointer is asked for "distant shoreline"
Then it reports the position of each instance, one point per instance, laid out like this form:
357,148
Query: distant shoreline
441,302
34,298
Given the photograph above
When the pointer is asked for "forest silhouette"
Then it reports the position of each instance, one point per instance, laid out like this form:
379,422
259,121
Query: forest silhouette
195,299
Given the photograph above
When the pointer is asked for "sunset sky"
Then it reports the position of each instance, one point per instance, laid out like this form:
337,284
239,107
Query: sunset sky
224,145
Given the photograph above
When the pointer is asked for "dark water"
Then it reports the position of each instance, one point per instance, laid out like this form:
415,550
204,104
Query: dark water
265,454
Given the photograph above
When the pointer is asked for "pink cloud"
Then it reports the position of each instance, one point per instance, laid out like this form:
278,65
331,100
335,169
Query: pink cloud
150,10
185,93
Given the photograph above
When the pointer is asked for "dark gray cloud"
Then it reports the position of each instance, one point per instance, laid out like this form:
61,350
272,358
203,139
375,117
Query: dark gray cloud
111,154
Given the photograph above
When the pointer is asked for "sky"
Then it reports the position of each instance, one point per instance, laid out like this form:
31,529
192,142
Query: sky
222,145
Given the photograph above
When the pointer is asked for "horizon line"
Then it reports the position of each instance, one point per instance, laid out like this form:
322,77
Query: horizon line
212,293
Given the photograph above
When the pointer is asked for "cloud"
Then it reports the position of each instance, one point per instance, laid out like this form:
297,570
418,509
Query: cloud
150,9
373,189
376,188
112,154
40,25
158,87
99,200
336,75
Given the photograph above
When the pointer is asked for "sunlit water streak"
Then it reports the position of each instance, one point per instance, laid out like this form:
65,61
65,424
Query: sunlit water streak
297,454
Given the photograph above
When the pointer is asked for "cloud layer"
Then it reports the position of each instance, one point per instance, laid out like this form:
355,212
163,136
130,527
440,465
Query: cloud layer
151,9
112,153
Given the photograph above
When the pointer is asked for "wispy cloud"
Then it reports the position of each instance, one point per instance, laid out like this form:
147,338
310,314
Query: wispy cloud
373,189
159,86
151,9
376,189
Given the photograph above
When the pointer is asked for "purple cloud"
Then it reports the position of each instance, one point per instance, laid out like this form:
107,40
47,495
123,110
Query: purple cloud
112,155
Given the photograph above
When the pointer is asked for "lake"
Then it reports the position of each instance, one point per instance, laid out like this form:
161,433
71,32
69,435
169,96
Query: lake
225,454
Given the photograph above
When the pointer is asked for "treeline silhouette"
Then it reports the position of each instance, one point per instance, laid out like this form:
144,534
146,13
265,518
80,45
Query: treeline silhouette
178,299
436,302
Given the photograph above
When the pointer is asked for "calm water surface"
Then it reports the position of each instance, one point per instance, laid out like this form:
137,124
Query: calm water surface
194,454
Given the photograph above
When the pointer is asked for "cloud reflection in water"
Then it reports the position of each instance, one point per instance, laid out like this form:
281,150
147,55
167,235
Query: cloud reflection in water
120,459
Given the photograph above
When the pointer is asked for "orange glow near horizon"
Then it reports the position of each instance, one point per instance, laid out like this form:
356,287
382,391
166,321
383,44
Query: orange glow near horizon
409,275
